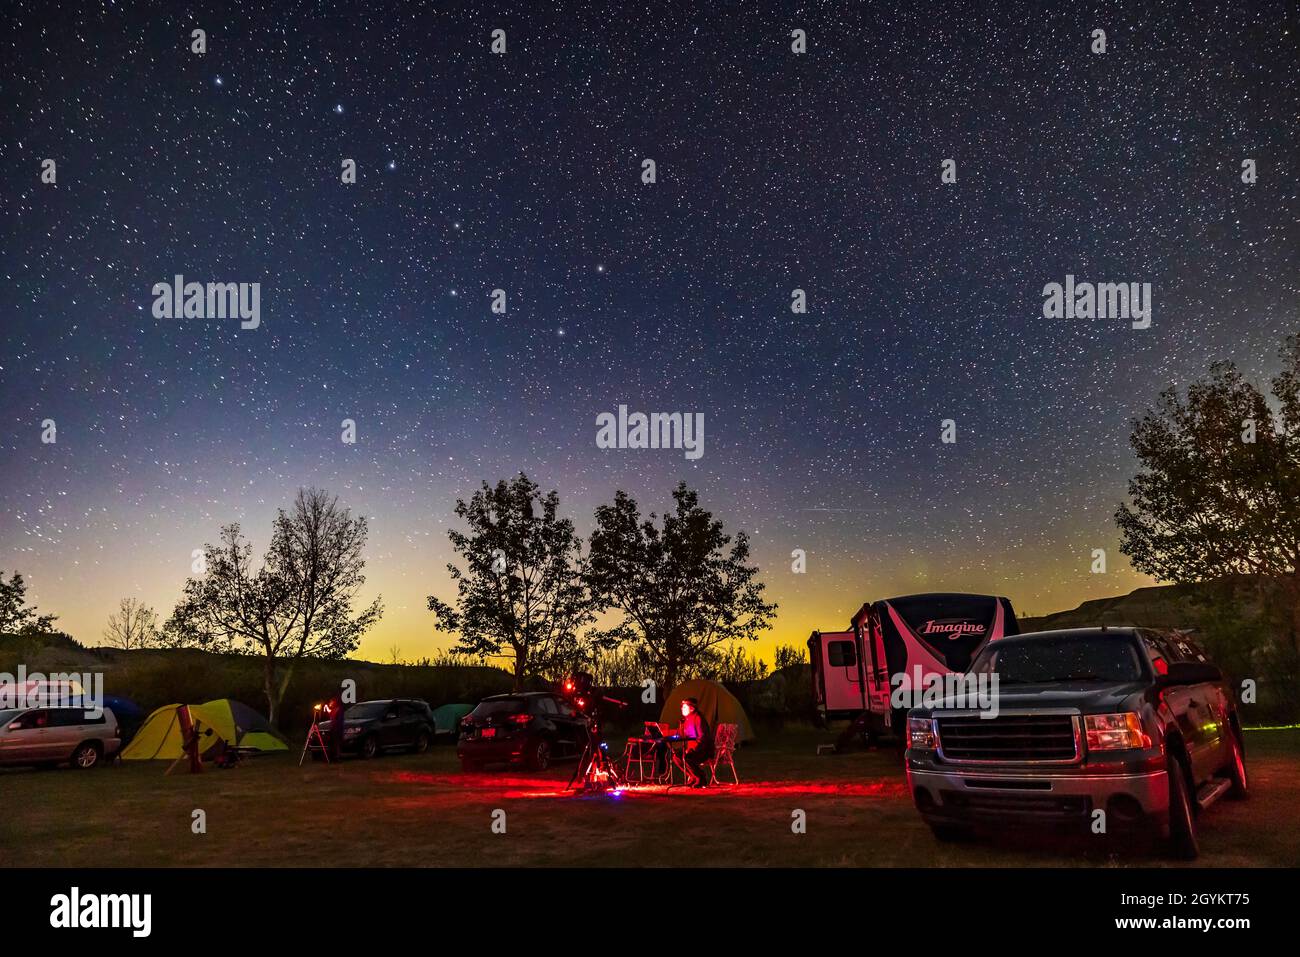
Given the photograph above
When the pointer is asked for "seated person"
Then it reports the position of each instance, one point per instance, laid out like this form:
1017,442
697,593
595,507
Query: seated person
223,755
699,740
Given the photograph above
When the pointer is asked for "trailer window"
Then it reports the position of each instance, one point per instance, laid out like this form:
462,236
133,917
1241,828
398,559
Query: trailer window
842,654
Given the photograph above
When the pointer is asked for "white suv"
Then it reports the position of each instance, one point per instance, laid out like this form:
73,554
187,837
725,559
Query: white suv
58,736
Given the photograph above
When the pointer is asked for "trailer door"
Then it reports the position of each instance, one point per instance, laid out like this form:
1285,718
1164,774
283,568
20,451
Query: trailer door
843,669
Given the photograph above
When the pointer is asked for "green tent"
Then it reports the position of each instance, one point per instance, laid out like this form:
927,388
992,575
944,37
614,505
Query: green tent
717,705
446,719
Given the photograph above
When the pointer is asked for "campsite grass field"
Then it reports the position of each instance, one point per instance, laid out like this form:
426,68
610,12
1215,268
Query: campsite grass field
420,810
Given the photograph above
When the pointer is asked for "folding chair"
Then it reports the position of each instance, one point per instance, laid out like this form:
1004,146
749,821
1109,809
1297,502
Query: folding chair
638,753
724,746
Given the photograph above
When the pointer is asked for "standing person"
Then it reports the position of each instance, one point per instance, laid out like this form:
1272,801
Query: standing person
336,707
699,740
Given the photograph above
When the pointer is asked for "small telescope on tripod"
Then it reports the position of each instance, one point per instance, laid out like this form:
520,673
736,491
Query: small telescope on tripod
595,769
315,743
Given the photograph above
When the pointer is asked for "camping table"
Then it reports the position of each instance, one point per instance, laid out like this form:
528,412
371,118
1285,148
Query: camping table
677,759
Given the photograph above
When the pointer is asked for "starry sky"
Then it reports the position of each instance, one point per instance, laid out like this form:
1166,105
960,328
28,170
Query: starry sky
522,171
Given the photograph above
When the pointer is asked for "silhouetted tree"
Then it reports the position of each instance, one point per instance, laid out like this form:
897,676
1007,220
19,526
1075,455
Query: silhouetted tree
15,616
678,588
1218,493
520,594
297,605
133,625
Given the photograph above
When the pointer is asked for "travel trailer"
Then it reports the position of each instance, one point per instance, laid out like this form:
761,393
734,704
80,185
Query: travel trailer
915,635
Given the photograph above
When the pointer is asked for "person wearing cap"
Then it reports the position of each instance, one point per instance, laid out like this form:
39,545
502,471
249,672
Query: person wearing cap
699,740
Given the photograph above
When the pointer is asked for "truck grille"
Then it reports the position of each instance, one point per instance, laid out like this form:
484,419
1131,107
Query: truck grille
1009,738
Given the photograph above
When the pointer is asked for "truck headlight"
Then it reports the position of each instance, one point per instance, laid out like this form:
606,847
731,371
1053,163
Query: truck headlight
1112,732
920,733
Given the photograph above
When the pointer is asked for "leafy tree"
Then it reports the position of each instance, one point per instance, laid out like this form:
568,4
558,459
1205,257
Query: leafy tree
15,617
1218,493
133,625
297,605
520,594
678,588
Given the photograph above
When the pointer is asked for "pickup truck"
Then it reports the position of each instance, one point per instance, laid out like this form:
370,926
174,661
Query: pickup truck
1133,722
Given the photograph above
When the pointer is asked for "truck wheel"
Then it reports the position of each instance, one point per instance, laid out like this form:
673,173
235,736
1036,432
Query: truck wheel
1236,769
950,833
1182,818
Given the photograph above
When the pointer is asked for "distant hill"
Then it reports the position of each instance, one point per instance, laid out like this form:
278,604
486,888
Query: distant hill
153,677
1159,606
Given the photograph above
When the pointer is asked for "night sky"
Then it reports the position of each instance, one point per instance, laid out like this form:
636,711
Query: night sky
522,172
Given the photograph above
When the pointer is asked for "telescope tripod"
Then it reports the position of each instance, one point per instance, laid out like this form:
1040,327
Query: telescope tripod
315,742
595,767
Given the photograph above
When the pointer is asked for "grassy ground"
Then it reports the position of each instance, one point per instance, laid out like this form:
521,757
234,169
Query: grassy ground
421,810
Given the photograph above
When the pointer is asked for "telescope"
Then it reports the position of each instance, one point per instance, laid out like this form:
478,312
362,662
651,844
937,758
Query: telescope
595,768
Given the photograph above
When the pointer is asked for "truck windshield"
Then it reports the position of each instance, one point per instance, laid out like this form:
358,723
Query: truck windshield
1050,658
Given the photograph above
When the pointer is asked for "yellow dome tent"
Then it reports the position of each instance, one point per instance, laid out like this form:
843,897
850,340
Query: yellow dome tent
717,705
238,725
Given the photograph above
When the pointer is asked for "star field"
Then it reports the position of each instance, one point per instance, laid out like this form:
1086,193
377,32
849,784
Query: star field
522,172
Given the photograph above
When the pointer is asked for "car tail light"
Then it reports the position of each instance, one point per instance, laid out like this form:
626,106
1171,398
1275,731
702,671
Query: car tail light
1111,732
520,719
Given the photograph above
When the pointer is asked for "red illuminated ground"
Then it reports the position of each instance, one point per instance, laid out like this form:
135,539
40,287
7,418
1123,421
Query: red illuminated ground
421,810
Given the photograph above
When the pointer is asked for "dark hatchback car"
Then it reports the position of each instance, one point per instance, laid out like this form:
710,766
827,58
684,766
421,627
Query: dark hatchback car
372,727
1131,722
533,728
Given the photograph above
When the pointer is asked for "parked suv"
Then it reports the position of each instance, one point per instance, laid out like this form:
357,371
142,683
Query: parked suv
1134,722
372,727
52,736
534,728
